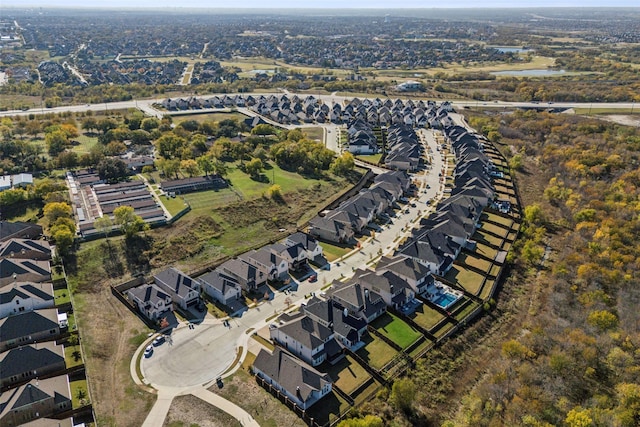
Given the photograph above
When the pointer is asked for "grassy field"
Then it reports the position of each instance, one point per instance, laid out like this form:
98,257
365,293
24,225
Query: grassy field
208,117
442,329
427,317
396,330
495,229
75,387
333,252
474,261
347,374
315,133
85,144
470,280
465,310
377,352
371,158
507,222
485,238
173,204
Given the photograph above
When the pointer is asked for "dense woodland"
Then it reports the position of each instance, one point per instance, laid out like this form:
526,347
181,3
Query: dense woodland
562,348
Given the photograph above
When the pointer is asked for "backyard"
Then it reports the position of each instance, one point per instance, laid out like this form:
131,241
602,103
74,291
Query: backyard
465,277
396,330
377,352
347,374
426,316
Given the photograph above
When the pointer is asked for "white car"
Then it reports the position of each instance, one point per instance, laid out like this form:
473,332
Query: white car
148,351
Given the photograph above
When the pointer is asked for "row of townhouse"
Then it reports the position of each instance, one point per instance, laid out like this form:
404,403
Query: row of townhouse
404,149
308,339
21,180
33,380
171,288
342,223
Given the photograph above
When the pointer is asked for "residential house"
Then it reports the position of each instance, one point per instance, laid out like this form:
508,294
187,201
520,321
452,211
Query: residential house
435,250
25,249
398,178
19,230
20,297
184,291
150,301
415,274
358,301
23,270
5,182
249,276
21,364
269,262
348,329
393,289
295,255
35,400
300,382
304,337
29,327
331,230
311,245
221,287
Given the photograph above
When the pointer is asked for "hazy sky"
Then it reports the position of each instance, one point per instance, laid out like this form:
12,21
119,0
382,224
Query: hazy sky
339,4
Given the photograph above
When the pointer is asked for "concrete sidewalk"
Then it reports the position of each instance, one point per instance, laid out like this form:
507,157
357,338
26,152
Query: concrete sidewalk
159,410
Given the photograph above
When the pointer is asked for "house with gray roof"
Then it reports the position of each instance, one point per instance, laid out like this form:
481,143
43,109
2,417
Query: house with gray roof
299,381
311,245
331,230
270,262
348,329
150,301
19,230
304,337
358,301
23,270
221,287
29,327
393,289
184,291
20,297
415,274
35,400
5,182
295,255
22,180
249,276
21,364
25,249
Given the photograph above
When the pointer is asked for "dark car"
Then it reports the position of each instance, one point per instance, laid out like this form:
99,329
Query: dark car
313,278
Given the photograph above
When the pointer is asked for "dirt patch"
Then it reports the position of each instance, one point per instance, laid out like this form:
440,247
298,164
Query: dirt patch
244,391
627,120
189,410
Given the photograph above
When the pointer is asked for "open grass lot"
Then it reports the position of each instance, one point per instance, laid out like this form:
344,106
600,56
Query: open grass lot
243,390
173,204
470,280
333,252
208,117
203,202
396,330
371,158
495,229
250,188
314,132
507,222
76,387
484,239
426,316
474,261
326,410
347,374
486,289
188,411
377,352
85,143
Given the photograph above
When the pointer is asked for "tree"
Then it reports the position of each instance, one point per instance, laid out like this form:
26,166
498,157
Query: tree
89,124
263,130
150,123
55,210
129,222
170,145
254,167
403,394
275,192
367,421
206,164
579,417
115,148
63,238
112,169
104,225
603,319
56,141
106,125
190,166
343,164
516,162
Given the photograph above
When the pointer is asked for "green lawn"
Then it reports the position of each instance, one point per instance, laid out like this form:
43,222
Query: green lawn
465,310
333,252
507,222
396,330
208,117
250,189
377,352
203,202
173,204
75,386
315,133
470,280
426,316
371,158
486,290
442,329
486,238
69,358
61,296
347,374
495,229
474,261
86,143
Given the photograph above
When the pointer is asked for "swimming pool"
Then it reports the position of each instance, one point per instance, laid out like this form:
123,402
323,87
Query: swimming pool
445,300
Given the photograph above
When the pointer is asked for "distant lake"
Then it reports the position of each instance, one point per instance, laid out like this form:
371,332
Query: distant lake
528,73
505,49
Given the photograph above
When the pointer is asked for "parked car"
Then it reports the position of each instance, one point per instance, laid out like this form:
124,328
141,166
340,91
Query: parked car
159,340
148,351
313,278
